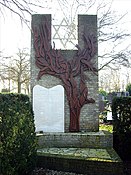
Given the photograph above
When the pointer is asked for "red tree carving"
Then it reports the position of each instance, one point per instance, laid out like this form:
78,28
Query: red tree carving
50,61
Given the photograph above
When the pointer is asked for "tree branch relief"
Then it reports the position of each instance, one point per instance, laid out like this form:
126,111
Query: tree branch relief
51,61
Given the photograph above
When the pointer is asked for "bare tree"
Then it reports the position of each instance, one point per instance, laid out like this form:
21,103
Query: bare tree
112,37
5,77
21,8
16,70
113,80
109,33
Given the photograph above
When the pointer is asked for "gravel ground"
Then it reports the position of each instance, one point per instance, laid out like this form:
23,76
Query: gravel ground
42,171
127,167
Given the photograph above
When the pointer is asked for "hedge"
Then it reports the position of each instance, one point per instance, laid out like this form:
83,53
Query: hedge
121,109
18,140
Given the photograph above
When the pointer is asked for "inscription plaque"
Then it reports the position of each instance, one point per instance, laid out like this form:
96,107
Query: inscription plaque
48,107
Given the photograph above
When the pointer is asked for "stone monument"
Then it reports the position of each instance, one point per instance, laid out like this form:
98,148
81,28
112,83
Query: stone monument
64,86
75,70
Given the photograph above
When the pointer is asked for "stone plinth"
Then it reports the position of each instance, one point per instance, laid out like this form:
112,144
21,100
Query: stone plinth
81,160
101,139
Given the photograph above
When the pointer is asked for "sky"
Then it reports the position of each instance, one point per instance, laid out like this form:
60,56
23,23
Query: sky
14,35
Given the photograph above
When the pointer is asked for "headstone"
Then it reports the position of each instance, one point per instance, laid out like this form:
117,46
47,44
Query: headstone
118,94
109,113
48,106
126,94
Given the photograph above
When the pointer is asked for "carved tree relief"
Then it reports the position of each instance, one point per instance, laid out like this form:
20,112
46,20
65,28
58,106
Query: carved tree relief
50,61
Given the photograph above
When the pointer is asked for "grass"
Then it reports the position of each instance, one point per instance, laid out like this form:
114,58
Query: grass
106,127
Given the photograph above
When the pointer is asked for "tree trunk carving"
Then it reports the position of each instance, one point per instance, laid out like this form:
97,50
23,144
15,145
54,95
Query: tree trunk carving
50,61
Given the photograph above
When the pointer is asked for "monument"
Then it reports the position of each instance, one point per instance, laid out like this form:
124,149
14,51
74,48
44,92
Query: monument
64,86
75,70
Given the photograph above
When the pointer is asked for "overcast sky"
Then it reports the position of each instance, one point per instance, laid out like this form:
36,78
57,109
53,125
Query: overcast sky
13,35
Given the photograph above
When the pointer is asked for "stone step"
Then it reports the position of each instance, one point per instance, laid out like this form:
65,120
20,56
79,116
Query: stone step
81,160
101,139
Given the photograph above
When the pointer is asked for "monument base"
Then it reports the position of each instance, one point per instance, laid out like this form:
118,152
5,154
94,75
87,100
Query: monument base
81,160
101,139
84,152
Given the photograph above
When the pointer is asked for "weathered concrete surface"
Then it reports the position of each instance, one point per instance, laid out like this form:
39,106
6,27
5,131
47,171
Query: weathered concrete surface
101,139
81,160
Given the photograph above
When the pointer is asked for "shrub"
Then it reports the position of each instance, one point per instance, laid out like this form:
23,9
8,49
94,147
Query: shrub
128,88
121,109
102,92
18,144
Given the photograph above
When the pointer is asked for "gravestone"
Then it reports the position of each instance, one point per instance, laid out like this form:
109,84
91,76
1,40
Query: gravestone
48,106
75,70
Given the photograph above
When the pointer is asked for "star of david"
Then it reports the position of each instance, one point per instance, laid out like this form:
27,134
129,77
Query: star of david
67,36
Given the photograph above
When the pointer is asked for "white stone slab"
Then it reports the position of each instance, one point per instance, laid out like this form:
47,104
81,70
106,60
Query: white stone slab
109,115
48,106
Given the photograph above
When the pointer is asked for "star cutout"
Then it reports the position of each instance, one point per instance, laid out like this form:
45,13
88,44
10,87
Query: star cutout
64,32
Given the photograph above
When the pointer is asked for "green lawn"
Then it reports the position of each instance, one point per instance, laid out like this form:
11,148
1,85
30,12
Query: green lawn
106,127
